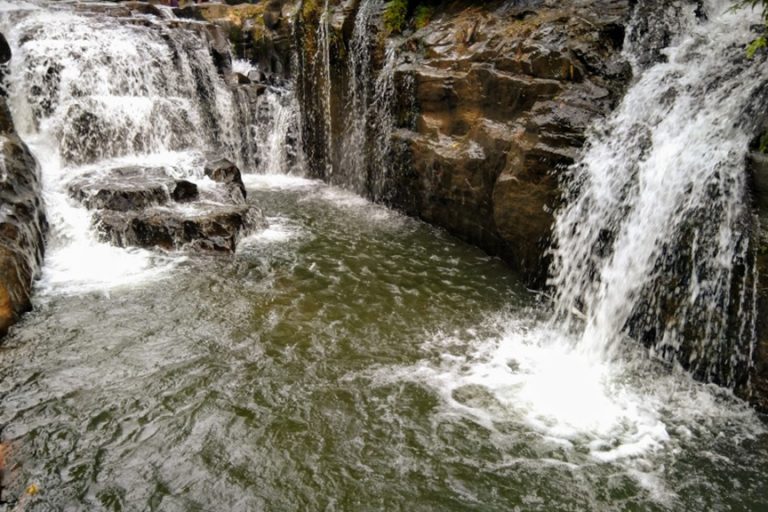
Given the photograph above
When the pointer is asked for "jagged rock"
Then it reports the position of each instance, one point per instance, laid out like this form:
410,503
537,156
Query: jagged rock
214,227
501,99
185,191
123,189
224,171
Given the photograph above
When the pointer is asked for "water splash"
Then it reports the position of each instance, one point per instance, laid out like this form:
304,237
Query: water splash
654,239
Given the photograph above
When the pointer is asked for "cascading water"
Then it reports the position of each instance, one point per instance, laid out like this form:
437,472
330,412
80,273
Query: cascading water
355,146
92,91
654,240
380,166
350,357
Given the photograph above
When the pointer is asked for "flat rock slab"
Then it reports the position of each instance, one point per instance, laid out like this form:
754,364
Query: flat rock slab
123,189
213,227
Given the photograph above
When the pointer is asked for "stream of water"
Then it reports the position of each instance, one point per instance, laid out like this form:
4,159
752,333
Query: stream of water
346,358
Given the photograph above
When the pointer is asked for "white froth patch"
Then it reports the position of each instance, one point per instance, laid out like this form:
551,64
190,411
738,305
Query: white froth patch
280,230
76,269
343,198
632,414
278,182
242,66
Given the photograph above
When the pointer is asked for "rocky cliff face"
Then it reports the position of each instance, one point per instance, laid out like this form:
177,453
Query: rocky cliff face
758,389
491,100
22,217
504,96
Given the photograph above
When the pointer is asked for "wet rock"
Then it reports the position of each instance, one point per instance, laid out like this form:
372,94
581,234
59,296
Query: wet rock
5,50
493,105
185,191
224,171
757,391
241,79
272,19
123,189
22,224
212,227
758,165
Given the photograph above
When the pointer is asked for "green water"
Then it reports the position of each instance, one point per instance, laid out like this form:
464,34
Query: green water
279,379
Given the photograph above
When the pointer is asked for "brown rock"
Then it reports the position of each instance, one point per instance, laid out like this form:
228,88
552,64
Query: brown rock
128,188
214,228
224,171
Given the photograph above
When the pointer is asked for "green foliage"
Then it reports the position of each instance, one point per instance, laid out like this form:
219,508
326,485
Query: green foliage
755,45
760,42
422,16
764,143
395,16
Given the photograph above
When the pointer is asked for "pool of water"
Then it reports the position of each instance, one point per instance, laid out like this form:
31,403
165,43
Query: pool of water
348,358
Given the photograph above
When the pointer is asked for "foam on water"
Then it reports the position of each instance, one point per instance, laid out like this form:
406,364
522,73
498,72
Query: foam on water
280,230
279,181
514,376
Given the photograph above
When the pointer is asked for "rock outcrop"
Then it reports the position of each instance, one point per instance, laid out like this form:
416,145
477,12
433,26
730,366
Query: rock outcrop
146,207
491,101
758,386
22,223
503,98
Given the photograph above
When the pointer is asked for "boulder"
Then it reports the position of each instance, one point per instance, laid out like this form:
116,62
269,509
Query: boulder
185,191
224,171
123,189
22,226
212,228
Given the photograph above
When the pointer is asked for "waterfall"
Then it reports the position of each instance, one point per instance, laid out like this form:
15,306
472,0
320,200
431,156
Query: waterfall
654,240
384,123
92,90
275,132
104,87
356,157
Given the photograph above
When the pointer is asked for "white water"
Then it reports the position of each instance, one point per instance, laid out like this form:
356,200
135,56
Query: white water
89,93
665,178
583,406
355,146
275,130
672,152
